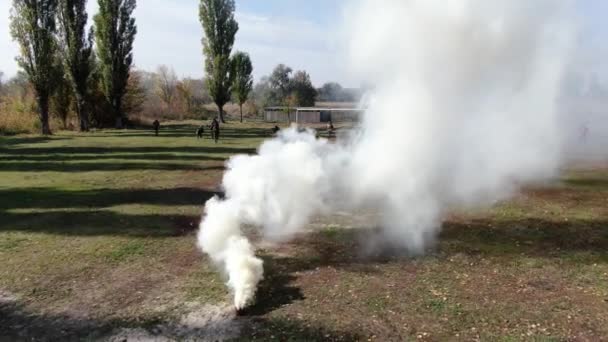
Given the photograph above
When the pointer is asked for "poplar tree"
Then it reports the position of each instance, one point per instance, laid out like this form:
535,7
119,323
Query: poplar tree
220,27
243,80
76,47
33,28
115,32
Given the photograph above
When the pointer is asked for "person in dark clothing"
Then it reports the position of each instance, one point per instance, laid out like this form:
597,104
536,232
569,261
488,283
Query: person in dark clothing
275,130
331,131
200,131
156,125
215,130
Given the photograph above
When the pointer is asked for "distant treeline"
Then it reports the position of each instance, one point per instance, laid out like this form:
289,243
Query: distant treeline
150,95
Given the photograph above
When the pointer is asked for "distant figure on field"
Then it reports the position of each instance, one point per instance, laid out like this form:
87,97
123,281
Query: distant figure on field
200,131
330,129
156,125
215,130
275,130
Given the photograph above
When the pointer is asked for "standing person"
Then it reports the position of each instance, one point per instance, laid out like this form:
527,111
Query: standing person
215,130
156,125
330,129
200,131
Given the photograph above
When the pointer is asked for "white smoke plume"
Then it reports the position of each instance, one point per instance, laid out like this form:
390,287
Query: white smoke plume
463,112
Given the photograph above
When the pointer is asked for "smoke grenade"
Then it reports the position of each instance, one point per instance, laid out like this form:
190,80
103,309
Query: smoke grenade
462,113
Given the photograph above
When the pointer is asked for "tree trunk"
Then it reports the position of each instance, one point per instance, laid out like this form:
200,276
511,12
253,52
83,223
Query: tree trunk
117,111
221,113
241,108
43,108
84,122
83,117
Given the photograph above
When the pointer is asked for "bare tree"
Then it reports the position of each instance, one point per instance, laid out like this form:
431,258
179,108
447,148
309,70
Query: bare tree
166,84
185,89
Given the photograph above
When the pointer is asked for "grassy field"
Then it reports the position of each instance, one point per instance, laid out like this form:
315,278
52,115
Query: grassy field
97,242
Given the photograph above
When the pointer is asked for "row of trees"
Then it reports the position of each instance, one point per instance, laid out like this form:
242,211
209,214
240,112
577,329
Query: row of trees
66,70
150,95
143,101
56,49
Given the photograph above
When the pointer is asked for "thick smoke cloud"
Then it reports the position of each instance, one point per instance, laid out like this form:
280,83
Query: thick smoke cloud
464,111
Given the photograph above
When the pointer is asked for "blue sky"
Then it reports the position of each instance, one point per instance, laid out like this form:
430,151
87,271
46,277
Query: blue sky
300,33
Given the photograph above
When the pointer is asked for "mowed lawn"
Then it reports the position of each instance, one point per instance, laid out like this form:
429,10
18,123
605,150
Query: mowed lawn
97,241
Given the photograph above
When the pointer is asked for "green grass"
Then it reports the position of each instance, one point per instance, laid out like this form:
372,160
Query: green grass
103,222
97,232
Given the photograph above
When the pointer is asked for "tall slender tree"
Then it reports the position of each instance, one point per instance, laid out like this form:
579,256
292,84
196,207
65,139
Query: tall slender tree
33,27
243,80
115,32
76,46
61,97
220,27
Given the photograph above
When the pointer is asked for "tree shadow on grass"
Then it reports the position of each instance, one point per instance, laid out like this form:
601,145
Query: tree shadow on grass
17,324
47,198
115,156
108,166
83,214
584,241
99,223
587,183
23,140
122,150
275,290
533,237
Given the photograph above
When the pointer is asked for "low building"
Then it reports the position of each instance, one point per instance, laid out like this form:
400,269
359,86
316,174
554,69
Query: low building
279,114
312,115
